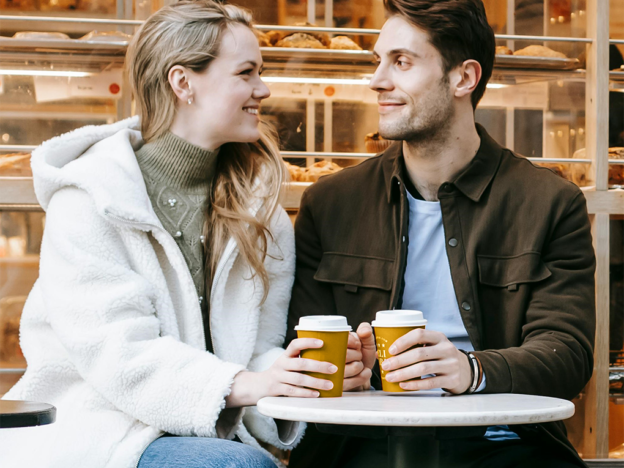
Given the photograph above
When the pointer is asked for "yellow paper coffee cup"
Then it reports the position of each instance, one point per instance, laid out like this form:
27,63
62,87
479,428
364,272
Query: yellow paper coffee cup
333,330
390,325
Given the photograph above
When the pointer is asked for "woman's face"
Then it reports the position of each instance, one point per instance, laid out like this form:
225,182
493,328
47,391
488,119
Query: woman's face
227,95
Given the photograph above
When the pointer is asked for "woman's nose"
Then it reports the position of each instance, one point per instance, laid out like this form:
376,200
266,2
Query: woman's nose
262,91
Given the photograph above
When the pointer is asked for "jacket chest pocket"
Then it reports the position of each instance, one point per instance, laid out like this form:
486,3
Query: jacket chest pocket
361,284
510,272
505,289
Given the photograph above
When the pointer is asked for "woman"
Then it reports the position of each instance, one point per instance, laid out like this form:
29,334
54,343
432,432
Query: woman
138,278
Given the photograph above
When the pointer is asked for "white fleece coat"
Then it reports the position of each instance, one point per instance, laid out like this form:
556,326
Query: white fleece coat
112,330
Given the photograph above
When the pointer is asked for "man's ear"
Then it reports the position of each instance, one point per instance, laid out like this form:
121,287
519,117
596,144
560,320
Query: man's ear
466,77
179,81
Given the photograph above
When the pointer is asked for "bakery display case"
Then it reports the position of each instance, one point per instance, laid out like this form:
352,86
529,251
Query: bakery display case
558,67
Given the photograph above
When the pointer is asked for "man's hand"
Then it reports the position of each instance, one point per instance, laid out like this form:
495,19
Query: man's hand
360,359
438,356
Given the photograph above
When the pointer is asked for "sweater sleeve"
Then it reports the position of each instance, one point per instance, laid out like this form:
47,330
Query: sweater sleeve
102,311
280,264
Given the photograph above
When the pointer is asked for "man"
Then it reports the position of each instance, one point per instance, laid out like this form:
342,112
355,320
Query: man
496,252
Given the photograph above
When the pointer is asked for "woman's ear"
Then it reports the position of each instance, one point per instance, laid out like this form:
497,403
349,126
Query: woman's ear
180,83
466,77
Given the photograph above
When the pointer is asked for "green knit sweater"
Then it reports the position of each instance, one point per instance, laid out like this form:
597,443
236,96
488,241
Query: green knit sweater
178,176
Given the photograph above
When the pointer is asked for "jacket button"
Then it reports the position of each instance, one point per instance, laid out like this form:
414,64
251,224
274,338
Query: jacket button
448,188
465,306
453,242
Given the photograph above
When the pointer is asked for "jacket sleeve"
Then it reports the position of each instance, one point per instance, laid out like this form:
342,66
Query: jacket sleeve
280,265
558,334
309,297
102,311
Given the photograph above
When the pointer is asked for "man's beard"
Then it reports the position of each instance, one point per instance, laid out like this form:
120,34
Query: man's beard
430,118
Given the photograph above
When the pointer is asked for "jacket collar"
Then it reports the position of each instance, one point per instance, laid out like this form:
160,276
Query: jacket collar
472,181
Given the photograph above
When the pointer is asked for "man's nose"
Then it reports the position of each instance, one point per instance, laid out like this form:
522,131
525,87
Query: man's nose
380,80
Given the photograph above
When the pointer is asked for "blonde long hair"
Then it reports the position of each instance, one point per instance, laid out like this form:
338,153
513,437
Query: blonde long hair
249,175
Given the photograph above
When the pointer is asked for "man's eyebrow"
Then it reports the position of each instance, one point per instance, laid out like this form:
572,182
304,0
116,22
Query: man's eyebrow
402,51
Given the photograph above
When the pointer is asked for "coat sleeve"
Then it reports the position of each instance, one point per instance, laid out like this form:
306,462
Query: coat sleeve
280,265
309,297
102,311
558,334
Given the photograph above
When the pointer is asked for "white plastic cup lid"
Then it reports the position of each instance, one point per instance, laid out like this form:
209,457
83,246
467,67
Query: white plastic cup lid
332,323
399,318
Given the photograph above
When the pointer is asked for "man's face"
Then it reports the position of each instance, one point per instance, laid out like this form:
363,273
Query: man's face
415,99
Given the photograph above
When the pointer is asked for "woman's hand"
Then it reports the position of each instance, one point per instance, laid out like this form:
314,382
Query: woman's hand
283,378
361,357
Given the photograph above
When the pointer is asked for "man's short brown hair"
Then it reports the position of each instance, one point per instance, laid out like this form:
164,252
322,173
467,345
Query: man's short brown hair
458,29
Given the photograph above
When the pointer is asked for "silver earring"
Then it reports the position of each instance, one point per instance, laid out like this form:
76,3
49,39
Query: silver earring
190,101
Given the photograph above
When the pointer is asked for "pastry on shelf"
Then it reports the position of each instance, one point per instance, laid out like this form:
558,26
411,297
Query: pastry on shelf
503,50
539,51
39,35
322,168
312,173
300,41
616,171
375,143
275,36
264,40
15,165
343,43
323,38
106,36
296,173
557,168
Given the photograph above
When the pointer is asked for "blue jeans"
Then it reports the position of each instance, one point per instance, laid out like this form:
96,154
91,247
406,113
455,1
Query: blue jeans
201,452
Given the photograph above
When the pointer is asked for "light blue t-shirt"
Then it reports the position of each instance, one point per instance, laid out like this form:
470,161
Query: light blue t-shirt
429,286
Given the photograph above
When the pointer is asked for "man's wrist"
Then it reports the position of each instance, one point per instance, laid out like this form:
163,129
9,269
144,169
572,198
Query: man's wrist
476,371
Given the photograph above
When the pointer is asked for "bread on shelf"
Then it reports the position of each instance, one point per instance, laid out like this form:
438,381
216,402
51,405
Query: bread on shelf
375,143
503,50
343,43
616,171
312,173
539,51
263,39
300,41
15,165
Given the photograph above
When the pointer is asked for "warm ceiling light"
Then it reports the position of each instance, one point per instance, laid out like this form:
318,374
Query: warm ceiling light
71,74
345,81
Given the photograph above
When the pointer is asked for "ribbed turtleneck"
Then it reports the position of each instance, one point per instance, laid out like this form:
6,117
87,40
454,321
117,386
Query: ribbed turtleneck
178,176
176,162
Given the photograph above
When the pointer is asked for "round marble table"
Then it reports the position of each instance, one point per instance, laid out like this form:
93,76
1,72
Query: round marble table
424,410
25,414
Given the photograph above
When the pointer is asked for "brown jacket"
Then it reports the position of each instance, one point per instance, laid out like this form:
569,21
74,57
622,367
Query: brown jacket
520,252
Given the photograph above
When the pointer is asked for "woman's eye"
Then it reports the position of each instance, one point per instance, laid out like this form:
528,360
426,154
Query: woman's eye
247,72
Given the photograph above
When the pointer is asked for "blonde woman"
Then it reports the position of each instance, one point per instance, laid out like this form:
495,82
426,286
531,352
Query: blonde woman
166,267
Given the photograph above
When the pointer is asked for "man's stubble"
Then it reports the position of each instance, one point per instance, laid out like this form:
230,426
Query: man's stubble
430,118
